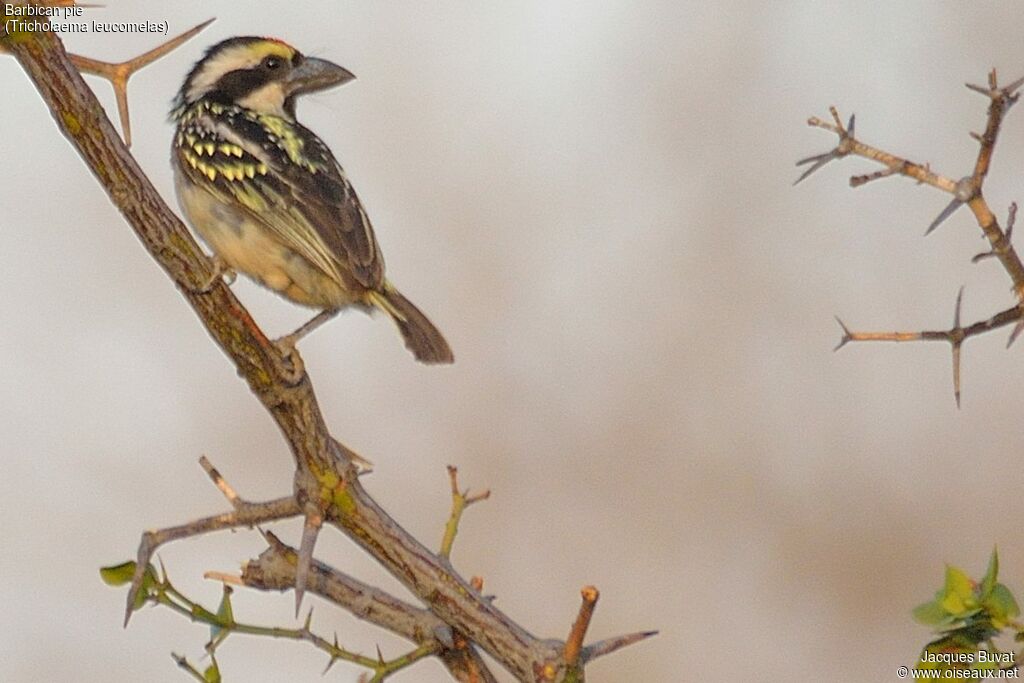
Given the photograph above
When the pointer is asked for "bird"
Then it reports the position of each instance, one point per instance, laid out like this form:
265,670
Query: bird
267,195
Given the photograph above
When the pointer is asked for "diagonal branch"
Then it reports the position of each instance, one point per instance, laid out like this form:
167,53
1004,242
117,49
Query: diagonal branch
275,569
244,515
326,474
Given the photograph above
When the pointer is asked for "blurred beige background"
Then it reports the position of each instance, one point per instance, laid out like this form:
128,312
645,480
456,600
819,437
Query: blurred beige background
593,200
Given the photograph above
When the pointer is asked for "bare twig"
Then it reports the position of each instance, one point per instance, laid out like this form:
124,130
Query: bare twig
954,336
574,643
275,569
460,501
849,144
184,664
310,530
966,191
247,515
220,483
224,624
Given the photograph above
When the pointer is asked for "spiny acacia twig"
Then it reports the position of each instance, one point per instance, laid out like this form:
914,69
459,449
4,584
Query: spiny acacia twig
187,667
966,191
119,73
326,476
460,501
954,336
275,569
222,623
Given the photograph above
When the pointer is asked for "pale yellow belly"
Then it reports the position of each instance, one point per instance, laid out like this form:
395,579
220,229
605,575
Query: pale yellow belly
245,245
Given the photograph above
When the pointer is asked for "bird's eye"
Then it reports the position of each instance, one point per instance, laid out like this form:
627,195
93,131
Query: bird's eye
272,63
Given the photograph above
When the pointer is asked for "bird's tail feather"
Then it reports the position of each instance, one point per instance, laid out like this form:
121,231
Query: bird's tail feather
421,337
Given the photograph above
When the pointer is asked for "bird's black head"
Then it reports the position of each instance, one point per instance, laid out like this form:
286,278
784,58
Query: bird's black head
262,74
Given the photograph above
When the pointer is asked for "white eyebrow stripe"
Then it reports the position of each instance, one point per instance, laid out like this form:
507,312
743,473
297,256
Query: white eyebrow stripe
226,61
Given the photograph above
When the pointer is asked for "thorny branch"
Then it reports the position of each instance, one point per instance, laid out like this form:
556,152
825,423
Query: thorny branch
326,488
119,73
966,191
460,501
222,622
274,569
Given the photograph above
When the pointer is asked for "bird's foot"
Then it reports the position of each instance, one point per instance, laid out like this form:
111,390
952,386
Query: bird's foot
286,344
220,270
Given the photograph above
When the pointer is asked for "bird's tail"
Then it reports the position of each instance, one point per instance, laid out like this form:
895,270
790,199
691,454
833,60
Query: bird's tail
421,337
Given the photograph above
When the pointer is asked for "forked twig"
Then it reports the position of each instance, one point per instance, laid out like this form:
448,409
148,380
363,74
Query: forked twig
966,192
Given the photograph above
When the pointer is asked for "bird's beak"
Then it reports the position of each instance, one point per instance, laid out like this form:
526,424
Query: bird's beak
316,74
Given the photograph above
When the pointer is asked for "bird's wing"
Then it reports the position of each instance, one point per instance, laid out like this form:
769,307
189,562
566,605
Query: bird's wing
289,181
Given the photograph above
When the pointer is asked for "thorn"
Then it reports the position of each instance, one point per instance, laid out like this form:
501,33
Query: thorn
309,620
979,89
956,373
957,340
310,531
604,647
818,161
851,124
380,655
1017,329
334,656
1010,90
976,136
118,74
145,553
946,213
847,335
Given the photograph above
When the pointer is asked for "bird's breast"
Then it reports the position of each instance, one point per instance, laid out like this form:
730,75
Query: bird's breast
248,246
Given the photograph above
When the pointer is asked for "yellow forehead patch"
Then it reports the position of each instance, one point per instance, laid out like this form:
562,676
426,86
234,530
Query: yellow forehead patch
273,46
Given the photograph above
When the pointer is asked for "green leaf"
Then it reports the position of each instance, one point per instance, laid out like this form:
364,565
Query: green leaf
932,614
1000,605
227,617
212,673
122,574
119,574
958,592
989,582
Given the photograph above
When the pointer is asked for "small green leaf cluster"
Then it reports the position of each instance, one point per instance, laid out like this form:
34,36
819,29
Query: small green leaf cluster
969,615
